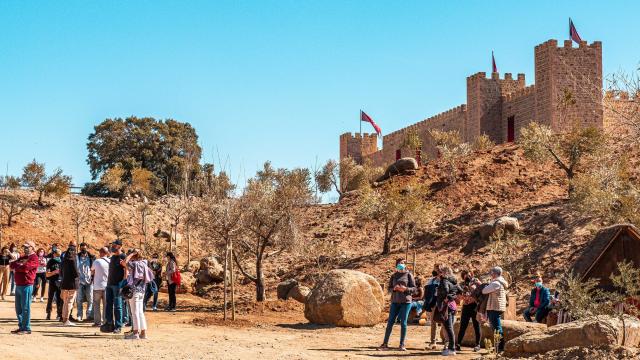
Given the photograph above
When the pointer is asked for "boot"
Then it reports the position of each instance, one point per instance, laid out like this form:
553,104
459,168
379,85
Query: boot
48,316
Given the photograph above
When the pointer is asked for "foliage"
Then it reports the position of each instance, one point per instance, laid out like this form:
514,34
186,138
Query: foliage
608,191
450,147
412,140
167,148
482,143
11,204
583,299
57,184
345,176
268,205
623,86
505,247
395,205
137,181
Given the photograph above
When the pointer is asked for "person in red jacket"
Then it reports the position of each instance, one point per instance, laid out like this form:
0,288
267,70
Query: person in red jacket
25,274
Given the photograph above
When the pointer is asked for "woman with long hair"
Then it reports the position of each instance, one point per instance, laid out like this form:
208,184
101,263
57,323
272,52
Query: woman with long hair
172,267
14,255
69,285
41,275
401,286
5,259
138,276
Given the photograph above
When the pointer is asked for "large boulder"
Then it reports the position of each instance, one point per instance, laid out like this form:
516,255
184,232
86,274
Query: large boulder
345,298
299,293
192,266
404,166
600,331
210,271
505,224
512,329
284,287
188,283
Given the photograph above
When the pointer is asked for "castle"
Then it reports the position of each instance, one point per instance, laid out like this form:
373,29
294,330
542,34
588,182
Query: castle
500,107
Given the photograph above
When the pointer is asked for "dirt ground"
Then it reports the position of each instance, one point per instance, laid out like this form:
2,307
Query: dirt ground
178,336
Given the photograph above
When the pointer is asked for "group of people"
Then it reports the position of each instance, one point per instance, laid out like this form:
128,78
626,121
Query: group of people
116,285
443,294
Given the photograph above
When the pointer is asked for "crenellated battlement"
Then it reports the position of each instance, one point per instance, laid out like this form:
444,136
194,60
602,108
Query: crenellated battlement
529,90
494,76
568,44
460,109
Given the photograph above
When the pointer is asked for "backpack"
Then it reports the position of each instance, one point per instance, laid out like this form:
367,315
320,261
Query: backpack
153,287
176,278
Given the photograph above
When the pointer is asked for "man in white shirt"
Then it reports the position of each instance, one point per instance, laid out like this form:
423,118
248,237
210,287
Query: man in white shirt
100,272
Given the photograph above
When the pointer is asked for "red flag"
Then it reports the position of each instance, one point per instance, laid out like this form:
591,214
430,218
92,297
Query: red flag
494,67
573,33
366,118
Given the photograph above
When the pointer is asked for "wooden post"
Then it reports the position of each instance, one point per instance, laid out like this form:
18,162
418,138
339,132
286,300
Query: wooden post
415,269
231,279
226,268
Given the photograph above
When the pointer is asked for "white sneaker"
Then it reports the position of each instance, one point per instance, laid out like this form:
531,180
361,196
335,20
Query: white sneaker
132,336
477,348
41,299
69,323
79,318
447,352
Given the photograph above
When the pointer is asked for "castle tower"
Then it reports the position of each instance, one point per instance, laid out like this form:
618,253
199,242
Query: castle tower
578,70
484,104
358,146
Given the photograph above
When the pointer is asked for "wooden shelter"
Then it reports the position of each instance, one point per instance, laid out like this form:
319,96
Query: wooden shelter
610,246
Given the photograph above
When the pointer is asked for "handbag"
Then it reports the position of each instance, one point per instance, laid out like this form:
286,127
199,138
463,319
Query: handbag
176,278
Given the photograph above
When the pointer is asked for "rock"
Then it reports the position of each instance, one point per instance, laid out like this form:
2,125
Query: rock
401,166
485,230
602,331
285,287
192,267
507,223
210,271
299,293
491,204
188,284
345,298
512,329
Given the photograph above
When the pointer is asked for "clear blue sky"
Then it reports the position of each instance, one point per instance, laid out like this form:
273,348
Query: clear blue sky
264,80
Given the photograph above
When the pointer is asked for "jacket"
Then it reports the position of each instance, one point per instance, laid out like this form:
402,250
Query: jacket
430,293
497,291
25,268
448,289
407,279
545,298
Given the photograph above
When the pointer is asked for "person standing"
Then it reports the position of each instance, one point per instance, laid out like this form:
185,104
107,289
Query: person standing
469,309
5,270
538,302
41,275
85,286
138,276
401,286
172,267
24,269
496,302
156,267
447,293
100,274
69,283
430,301
14,254
113,310
53,277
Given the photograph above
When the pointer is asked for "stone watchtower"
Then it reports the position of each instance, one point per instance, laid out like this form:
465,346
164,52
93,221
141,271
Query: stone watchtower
578,70
484,104
358,146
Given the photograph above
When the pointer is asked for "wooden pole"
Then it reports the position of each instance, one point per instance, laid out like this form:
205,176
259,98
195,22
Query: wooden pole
233,299
415,270
226,269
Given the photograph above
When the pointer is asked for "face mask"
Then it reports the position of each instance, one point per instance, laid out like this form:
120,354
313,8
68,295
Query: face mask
434,273
53,249
113,249
25,249
400,267
83,252
538,285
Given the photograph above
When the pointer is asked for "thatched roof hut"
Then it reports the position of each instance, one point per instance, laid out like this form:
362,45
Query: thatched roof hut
610,246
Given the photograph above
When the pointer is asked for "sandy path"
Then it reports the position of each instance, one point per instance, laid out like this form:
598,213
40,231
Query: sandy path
173,336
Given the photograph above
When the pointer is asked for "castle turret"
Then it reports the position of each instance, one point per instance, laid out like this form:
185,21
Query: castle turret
576,69
358,146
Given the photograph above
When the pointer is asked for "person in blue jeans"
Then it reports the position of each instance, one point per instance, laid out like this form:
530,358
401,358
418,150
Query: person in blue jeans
113,305
402,286
496,302
25,268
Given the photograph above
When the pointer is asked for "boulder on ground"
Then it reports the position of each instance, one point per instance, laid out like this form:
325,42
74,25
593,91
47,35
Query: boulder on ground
285,287
210,271
512,329
404,166
299,293
505,223
188,283
192,266
346,298
600,331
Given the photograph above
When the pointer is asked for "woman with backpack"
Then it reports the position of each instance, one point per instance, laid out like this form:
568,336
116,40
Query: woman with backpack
173,280
138,275
69,284
402,286
446,306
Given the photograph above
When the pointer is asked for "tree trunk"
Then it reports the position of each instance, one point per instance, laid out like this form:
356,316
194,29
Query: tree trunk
386,246
226,269
188,244
40,198
231,280
260,289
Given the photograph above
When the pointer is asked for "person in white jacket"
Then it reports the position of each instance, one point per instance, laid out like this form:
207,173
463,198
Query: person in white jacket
497,302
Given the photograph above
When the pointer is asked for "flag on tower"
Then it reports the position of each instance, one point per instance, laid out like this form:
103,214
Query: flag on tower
366,118
494,67
573,33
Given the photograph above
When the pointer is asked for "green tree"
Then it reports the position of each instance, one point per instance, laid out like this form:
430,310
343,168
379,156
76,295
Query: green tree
345,176
451,148
167,148
57,184
11,204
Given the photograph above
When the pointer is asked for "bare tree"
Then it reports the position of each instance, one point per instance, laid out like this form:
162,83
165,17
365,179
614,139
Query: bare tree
177,212
79,215
144,212
35,176
11,204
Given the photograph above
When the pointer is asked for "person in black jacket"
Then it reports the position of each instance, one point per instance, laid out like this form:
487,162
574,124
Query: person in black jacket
402,286
447,293
53,277
69,284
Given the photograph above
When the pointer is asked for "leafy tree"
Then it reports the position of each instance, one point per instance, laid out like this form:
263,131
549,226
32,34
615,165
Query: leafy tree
112,179
269,201
57,184
167,148
506,247
137,181
345,176
395,205
142,181
450,147
482,143
11,204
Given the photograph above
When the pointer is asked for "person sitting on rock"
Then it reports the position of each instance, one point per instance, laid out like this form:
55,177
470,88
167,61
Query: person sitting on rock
417,299
402,286
538,302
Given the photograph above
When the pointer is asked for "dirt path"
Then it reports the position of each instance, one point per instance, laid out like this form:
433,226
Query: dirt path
174,336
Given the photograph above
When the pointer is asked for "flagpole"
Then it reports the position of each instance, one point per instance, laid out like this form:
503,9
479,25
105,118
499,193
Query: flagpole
360,121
